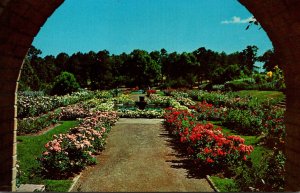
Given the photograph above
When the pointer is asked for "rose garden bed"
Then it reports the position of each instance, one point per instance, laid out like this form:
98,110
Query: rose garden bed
244,142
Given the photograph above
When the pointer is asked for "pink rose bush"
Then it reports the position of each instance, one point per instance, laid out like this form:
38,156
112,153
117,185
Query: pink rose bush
70,153
205,143
73,112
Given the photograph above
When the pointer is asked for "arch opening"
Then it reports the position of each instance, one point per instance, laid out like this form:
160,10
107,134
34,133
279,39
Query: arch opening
21,21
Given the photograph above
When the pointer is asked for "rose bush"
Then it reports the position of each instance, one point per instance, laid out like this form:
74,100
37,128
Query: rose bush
73,112
69,153
205,143
206,111
30,105
137,113
244,121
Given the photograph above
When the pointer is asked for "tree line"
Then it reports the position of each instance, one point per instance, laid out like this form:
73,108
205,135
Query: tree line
102,70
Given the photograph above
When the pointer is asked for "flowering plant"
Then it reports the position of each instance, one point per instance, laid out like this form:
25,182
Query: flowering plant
205,143
206,111
150,92
69,153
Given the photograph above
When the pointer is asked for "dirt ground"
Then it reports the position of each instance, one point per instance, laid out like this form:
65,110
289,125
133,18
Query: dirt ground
140,157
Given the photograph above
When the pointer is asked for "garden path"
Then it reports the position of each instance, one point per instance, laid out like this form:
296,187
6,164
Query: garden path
139,158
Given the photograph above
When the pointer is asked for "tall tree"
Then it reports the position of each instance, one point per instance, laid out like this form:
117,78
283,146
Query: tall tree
248,57
142,69
270,60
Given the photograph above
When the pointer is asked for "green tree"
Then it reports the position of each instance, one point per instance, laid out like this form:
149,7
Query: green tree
248,57
65,83
28,79
142,70
270,60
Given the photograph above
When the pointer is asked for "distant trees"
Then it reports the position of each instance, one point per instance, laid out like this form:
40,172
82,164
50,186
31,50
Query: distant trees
141,69
101,70
270,59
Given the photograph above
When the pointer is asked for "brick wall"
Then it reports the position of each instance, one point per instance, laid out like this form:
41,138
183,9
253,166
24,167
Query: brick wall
20,21
281,20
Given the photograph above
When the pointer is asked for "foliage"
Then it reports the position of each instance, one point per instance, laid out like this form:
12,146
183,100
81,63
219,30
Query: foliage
35,103
103,70
244,121
70,153
65,83
151,91
123,99
57,185
35,124
268,176
225,185
73,112
206,111
206,144
275,133
137,113
30,147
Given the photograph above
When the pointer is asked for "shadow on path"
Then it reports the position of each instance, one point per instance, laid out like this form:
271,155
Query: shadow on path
181,160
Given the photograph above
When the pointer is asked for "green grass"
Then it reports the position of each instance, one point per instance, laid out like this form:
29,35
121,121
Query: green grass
225,184
58,185
31,147
262,95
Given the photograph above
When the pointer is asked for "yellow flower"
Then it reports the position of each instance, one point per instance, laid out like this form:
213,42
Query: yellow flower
276,67
269,74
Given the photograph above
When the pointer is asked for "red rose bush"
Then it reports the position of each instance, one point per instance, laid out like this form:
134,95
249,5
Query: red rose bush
206,144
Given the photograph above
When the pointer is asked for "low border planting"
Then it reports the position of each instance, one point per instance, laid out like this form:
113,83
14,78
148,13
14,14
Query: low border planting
68,154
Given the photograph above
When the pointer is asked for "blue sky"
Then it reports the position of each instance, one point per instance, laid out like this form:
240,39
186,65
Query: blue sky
124,25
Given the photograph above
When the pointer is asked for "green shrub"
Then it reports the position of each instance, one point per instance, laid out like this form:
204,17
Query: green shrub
244,121
237,85
65,83
268,176
33,125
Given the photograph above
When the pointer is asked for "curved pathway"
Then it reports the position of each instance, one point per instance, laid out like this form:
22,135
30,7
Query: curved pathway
139,158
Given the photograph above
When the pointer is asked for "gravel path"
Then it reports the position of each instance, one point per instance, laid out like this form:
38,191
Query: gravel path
139,158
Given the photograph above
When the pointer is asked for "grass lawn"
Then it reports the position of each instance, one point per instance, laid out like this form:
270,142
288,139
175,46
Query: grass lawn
225,184
262,95
228,185
31,147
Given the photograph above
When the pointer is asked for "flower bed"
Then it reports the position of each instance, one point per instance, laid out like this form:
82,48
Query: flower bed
123,99
149,92
206,144
159,100
73,112
35,124
206,111
34,105
70,153
245,121
137,113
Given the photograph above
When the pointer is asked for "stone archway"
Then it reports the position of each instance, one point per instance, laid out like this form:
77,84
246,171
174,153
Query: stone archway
21,20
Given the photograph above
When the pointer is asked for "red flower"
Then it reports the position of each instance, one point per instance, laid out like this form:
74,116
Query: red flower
182,139
209,160
207,150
